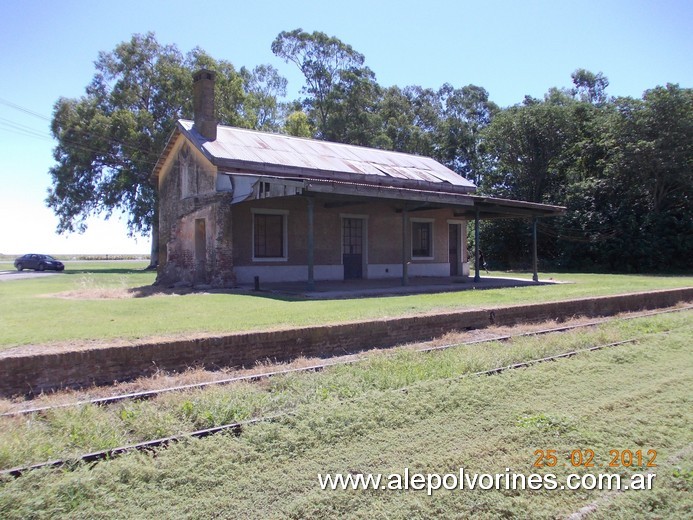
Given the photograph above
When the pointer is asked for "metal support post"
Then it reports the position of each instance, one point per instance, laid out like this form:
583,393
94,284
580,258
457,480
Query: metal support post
477,267
535,276
405,246
311,244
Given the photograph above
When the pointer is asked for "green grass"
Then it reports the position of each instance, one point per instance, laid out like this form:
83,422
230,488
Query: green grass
358,418
30,312
66,433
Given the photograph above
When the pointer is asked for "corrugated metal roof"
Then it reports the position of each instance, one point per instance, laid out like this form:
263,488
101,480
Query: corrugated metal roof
276,151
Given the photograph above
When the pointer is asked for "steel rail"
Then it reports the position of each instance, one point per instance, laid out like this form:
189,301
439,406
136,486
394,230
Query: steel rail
149,394
96,456
237,427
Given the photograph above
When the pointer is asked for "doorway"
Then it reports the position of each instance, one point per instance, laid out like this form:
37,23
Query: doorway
200,250
352,248
454,248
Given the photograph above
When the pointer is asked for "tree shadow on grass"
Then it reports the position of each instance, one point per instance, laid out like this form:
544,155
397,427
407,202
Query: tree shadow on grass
146,291
344,293
120,270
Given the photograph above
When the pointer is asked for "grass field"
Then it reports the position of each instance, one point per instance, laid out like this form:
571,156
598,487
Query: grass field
395,411
95,301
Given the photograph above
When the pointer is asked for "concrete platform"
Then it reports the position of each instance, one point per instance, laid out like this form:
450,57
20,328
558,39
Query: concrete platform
328,290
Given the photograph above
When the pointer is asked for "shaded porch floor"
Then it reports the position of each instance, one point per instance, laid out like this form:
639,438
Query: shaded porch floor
334,289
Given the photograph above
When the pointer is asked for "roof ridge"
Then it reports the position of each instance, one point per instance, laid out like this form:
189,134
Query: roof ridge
237,147
313,140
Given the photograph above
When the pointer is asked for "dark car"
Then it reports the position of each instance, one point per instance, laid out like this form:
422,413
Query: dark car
38,263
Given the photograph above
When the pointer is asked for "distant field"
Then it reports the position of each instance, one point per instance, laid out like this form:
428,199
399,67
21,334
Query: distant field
97,300
81,257
394,412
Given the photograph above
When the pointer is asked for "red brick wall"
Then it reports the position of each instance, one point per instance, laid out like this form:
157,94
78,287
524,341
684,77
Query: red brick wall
33,374
177,215
384,231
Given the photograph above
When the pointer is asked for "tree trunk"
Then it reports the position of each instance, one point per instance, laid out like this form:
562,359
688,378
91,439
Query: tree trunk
154,254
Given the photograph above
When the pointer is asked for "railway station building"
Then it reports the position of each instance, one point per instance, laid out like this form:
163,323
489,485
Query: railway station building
237,204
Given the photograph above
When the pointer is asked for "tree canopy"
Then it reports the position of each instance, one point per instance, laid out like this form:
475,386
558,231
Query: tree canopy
622,166
109,139
325,62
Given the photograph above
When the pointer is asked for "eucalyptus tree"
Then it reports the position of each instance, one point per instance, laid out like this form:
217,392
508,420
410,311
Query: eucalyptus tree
465,113
410,117
264,87
590,87
109,140
354,117
327,63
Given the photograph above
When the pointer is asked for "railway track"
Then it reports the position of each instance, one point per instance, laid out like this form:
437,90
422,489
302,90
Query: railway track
149,394
237,427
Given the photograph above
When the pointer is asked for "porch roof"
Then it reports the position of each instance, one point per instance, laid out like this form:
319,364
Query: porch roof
465,205
349,174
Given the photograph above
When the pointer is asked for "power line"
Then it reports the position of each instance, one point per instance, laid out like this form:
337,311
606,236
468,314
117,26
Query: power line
23,109
15,127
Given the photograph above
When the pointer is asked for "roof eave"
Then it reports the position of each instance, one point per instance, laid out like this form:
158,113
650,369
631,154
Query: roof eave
164,154
464,204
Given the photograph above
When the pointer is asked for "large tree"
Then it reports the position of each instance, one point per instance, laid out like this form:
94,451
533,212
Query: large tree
410,117
529,147
109,140
590,87
328,64
353,117
528,143
264,87
621,166
648,173
466,112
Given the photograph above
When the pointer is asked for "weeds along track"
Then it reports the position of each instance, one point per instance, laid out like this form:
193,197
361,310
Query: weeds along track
237,427
149,394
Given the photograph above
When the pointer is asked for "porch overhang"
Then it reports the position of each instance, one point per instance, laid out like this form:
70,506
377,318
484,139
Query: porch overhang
464,205
405,200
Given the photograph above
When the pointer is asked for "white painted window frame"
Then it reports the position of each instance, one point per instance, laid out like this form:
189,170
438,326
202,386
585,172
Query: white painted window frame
430,221
285,231
364,246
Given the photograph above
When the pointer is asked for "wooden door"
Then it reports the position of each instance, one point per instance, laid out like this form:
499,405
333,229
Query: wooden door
454,248
352,248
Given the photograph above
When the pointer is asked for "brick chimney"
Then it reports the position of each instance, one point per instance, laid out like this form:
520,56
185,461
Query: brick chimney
203,103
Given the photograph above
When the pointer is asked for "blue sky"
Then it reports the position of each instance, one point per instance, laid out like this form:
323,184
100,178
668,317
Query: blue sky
511,48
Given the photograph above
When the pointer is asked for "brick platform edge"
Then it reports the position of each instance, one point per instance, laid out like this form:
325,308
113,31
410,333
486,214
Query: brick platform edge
45,372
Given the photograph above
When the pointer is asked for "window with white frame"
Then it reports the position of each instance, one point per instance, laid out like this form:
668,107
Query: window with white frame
422,238
269,235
